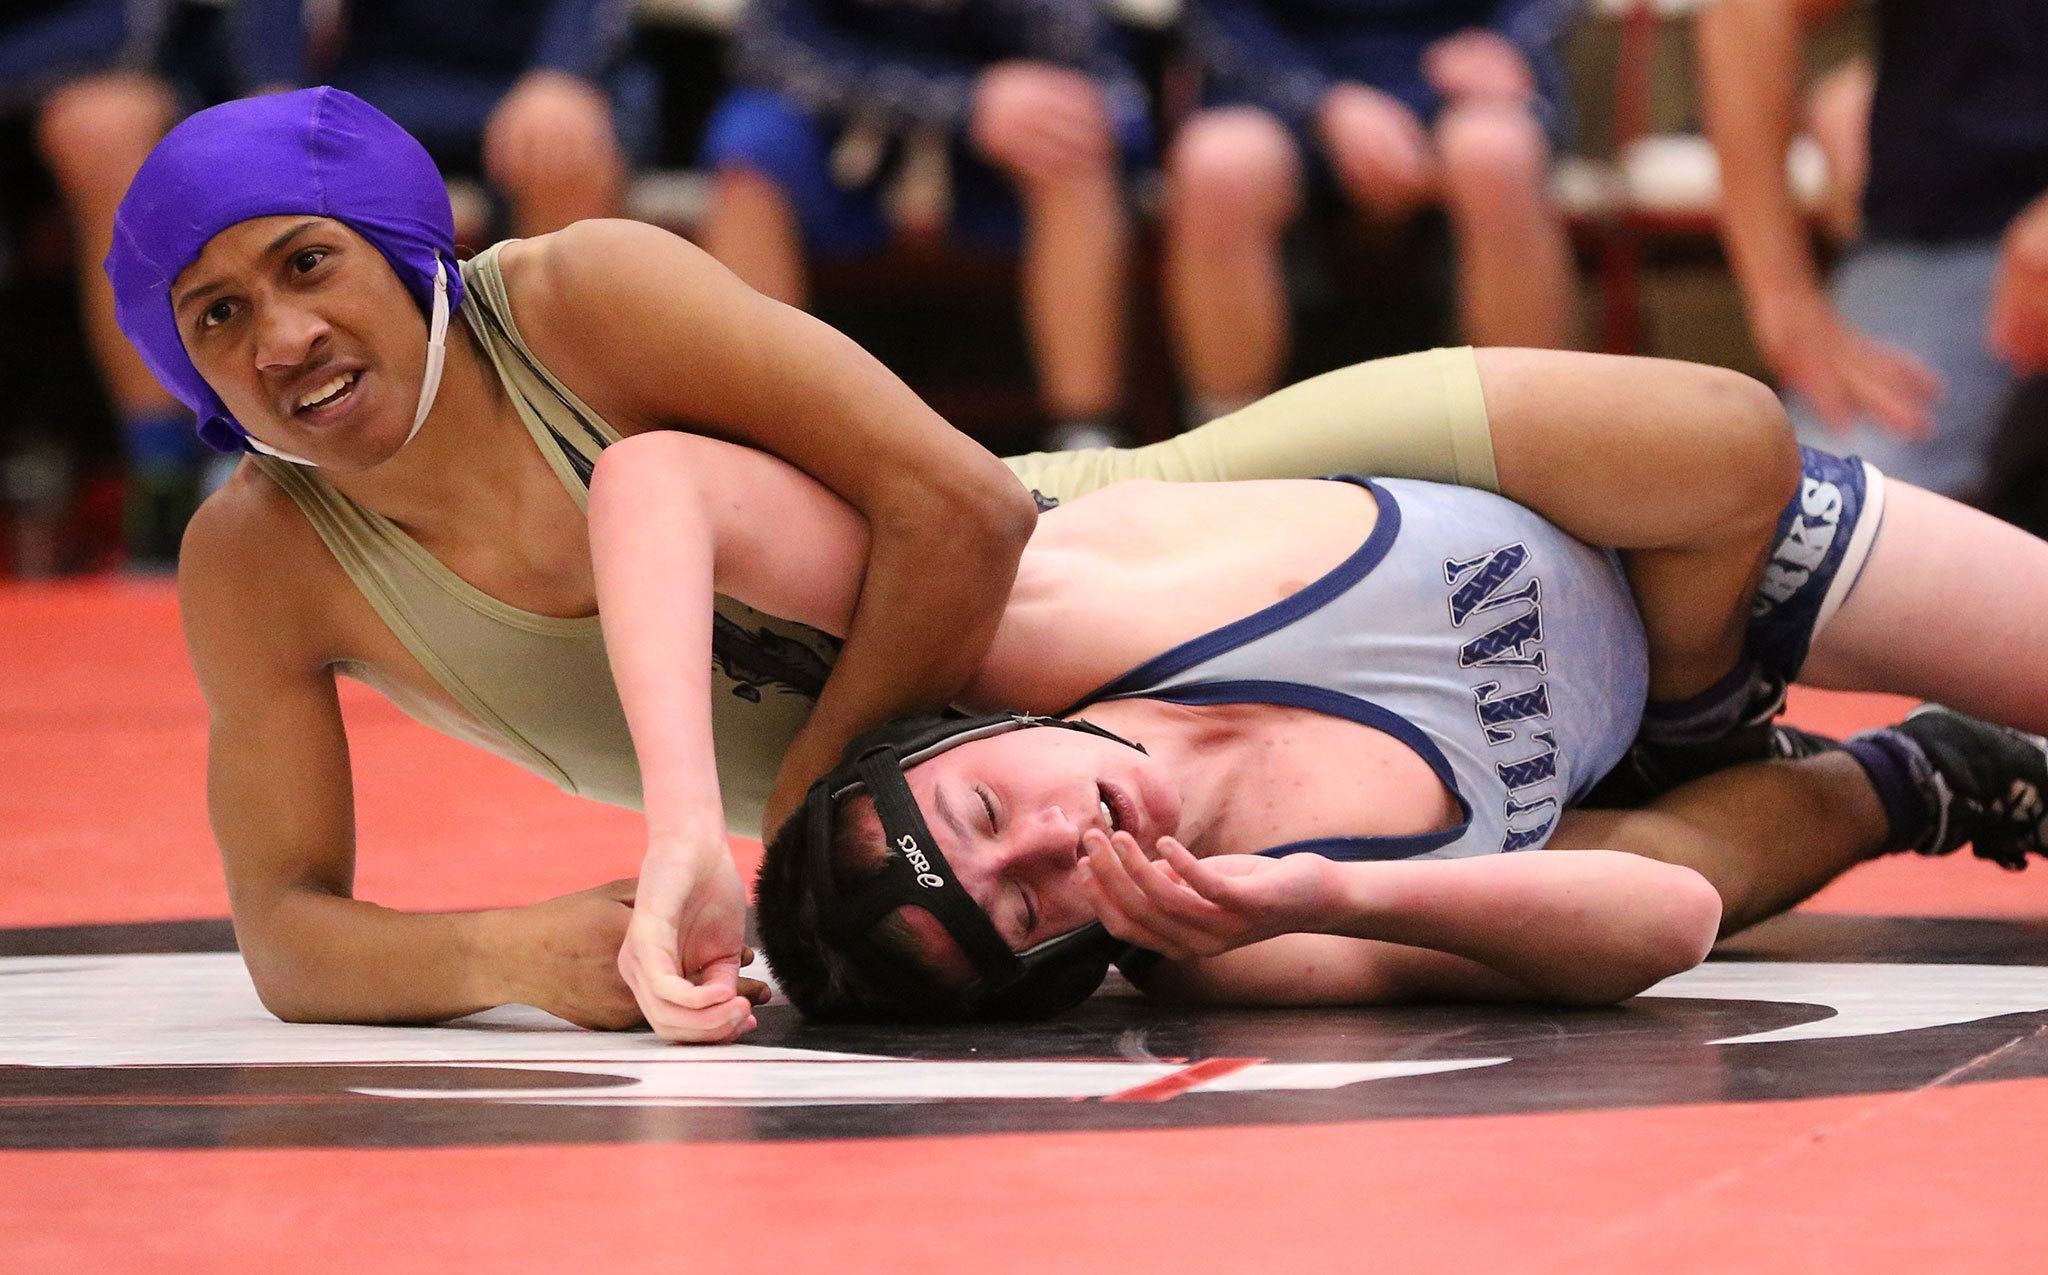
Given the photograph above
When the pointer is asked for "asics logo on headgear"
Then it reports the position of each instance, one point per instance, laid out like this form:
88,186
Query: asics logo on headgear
927,878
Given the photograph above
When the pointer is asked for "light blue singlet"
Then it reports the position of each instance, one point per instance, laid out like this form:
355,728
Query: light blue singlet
1508,655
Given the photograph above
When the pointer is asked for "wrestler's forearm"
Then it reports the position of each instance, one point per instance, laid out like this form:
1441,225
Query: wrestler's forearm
919,632
653,551
1750,71
321,958
1583,927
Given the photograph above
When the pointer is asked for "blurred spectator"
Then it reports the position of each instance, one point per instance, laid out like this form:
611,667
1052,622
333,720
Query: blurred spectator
534,94
84,72
1911,360
858,118
1838,120
1390,104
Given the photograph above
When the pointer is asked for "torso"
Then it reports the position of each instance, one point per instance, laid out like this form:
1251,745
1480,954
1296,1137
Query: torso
1458,695
1115,578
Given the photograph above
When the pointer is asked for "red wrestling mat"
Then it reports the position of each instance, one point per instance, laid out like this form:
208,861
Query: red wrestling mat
1843,1092
103,738
1943,1179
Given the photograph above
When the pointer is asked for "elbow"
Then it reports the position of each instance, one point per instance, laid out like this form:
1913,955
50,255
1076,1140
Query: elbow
1685,921
1667,927
1672,930
986,518
278,988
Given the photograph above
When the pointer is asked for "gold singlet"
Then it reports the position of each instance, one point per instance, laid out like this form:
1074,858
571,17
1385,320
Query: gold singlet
538,690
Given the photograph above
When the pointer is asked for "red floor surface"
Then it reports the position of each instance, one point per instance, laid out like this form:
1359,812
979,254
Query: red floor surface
102,820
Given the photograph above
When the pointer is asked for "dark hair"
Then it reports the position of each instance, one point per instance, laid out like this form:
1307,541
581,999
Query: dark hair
856,927
821,975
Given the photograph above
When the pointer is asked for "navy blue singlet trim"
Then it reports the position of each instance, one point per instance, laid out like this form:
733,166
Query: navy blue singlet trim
1279,615
1331,703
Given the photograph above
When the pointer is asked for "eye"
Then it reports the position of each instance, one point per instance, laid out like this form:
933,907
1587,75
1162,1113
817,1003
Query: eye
216,314
306,258
988,808
1030,910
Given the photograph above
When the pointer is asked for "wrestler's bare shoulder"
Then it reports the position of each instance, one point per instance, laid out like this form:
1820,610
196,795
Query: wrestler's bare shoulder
623,312
252,569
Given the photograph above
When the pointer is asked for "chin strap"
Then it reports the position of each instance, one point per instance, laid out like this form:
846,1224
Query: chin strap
430,383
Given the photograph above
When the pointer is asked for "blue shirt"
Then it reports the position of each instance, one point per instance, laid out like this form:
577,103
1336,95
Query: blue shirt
1959,124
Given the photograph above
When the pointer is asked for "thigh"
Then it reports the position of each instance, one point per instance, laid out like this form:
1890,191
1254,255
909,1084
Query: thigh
1948,608
1932,301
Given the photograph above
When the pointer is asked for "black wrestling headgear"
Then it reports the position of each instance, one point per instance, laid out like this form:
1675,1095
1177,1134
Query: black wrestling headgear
1039,982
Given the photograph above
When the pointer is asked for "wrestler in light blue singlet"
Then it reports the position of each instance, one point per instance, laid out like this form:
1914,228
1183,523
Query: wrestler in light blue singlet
1508,655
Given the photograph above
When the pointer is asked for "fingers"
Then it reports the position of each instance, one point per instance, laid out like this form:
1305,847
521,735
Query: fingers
1141,902
1896,388
715,1011
756,991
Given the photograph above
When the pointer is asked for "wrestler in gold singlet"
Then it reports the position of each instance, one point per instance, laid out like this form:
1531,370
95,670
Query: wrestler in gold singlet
538,690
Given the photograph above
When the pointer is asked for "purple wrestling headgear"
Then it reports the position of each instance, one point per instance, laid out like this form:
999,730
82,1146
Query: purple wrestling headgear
319,151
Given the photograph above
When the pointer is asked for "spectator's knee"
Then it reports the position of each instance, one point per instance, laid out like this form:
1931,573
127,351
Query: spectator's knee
572,146
1008,105
1231,172
1492,154
94,133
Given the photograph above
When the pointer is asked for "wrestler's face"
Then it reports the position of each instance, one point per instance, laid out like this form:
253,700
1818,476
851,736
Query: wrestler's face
305,332
1008,813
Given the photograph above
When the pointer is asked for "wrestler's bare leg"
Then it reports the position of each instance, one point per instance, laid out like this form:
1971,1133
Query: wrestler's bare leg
1949,608
1767,835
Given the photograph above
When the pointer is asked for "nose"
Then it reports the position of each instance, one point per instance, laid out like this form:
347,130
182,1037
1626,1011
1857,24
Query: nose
1048,838
287,335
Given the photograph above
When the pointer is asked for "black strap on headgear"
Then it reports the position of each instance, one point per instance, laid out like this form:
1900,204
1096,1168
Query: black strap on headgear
1041,981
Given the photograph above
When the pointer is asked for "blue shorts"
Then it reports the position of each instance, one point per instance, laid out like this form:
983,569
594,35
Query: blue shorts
766,132
1823,540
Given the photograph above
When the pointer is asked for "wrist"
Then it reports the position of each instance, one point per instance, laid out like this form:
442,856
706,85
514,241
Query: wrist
498,955
1329,907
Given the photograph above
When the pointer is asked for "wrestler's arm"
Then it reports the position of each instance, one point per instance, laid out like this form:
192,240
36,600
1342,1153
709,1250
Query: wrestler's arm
282,807
674,519
666,336
1586,927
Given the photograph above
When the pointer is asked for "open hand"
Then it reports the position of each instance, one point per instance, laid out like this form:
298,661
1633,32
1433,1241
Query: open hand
1843,372
2019,298
1183,907
685,944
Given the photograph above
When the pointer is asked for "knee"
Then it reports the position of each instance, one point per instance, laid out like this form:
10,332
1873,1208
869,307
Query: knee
1761,463
1044,127
1492,156
568,143
1232,172
94,133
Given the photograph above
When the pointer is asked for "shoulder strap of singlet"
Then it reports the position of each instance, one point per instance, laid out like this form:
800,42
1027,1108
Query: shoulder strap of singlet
1145,680
564,427
1288,610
